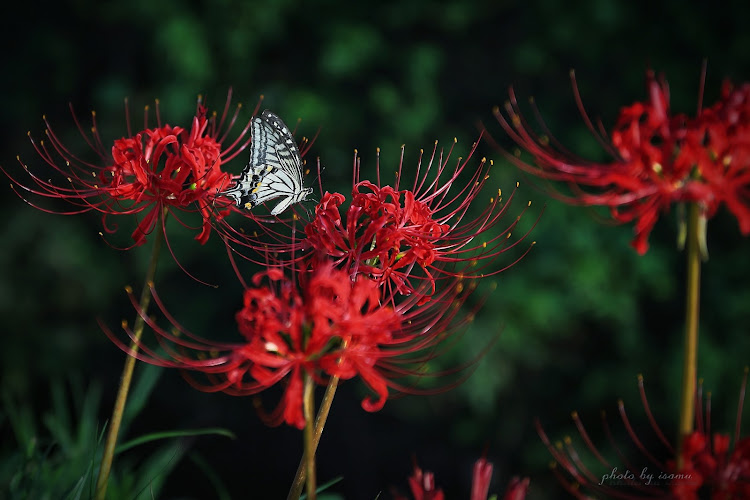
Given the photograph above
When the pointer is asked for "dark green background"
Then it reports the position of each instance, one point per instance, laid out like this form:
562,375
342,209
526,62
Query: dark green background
580,317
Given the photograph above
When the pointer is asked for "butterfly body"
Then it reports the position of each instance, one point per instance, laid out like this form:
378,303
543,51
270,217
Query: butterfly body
274,169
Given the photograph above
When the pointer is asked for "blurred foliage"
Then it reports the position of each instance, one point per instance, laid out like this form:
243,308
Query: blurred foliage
577,319
58,455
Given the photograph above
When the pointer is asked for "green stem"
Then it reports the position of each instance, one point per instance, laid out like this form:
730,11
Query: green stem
320,422
127,371
309,410
692,310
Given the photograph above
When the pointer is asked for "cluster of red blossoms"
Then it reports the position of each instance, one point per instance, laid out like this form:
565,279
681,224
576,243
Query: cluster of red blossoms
659,158
147,175
361,295
707,468
371,291
370,294
409,251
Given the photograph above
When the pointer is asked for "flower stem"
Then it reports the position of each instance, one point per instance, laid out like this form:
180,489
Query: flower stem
127,371
310,445
692,309
320,422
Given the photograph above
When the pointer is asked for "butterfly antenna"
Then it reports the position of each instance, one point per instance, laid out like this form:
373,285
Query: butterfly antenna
206,172
355,169
318,179
307,210
213,200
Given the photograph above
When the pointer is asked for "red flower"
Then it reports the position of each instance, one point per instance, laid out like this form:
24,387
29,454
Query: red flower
481,477
387,232
324,325
517,489
404,238
422,485
659,158
709,470
725,475
166,167
391,233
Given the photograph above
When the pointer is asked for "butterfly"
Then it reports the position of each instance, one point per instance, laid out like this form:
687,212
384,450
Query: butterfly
274,169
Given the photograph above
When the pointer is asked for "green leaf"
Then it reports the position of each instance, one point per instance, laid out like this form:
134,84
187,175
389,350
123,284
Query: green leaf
173,434
325,486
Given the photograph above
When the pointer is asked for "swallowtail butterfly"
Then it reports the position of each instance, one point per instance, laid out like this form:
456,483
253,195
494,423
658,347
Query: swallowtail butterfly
274,169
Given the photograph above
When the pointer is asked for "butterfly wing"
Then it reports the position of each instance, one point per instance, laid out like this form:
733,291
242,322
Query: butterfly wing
255,169
283,145
274,169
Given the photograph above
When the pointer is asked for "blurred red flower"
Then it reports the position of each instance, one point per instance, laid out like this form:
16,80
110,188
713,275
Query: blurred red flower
659,158
422,485
715,469
708,470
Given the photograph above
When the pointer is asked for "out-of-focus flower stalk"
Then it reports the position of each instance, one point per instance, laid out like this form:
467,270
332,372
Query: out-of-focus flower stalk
692,314
127,371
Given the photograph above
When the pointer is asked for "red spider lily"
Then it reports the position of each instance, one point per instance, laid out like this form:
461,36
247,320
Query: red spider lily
166,167
704,469
517,489
722,471
403,237
422,485
324,325
659,158
725,475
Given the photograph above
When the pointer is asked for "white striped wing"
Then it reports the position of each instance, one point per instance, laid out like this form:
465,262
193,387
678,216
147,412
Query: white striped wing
274,169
